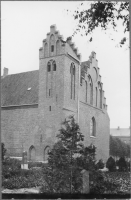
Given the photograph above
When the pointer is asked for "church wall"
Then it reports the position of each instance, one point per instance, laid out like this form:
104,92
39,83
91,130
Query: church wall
101,141
70,103
19,126
50,120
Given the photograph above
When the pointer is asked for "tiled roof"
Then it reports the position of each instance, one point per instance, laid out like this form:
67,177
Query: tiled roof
19,89
120,132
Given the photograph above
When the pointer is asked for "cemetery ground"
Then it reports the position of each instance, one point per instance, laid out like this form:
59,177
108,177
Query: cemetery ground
17,180
64,172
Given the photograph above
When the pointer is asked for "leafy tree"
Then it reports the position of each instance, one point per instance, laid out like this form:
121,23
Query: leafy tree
87,159
119,148
113,147
104,14
3,151
110,164
65,161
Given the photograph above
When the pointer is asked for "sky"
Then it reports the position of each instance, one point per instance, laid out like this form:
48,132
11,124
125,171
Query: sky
24,24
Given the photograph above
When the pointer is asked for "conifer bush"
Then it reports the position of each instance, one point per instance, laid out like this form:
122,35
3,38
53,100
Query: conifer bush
122,164
110,164
67,159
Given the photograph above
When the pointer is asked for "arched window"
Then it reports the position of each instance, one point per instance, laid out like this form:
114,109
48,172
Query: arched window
93,127
57,47
101,98
86,91
100,95
54,65
32,153
91,93
50,78
48,67
96,96
72,71
46,50
52,45
46,151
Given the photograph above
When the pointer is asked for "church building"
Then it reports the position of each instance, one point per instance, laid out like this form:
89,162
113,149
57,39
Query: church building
35,103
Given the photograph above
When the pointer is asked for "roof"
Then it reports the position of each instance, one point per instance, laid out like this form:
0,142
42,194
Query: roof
19,89
121,132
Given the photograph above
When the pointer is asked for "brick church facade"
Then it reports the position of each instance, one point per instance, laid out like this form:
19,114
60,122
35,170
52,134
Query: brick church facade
35,103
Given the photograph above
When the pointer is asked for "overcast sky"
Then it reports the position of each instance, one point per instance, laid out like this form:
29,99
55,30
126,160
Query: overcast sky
24,25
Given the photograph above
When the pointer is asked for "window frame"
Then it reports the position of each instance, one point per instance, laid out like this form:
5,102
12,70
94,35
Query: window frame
49,67
52,48
54,66
93,132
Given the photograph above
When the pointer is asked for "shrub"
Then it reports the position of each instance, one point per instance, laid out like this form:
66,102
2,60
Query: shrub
11,167
111,165
122,164
35,164
3,150
24,179
99,184
100,164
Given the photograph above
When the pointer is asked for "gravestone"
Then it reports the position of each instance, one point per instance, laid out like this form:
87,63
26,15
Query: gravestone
85,182
24,164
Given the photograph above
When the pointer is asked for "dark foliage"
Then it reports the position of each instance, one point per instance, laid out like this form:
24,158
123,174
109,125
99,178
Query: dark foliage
122,164
99,184
100,164
121,179
13,177
67,159
110,164
102,14
36,164
3,150
87,159
119,148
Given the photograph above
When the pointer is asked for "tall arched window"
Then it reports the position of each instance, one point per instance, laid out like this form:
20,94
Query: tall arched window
54,65
91,93
86,91
101,98
46,50
52,45
49,67
51,78
100,95
57,47
93,127
72,71
96,96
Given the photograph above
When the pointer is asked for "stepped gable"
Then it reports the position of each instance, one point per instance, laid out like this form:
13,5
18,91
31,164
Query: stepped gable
59,44
74,49
20,89
53,37
90,69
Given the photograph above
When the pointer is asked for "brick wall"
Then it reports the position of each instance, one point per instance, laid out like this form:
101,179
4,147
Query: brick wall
19,127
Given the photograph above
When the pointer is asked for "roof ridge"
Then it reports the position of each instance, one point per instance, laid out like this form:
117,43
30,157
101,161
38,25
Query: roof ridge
21,73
